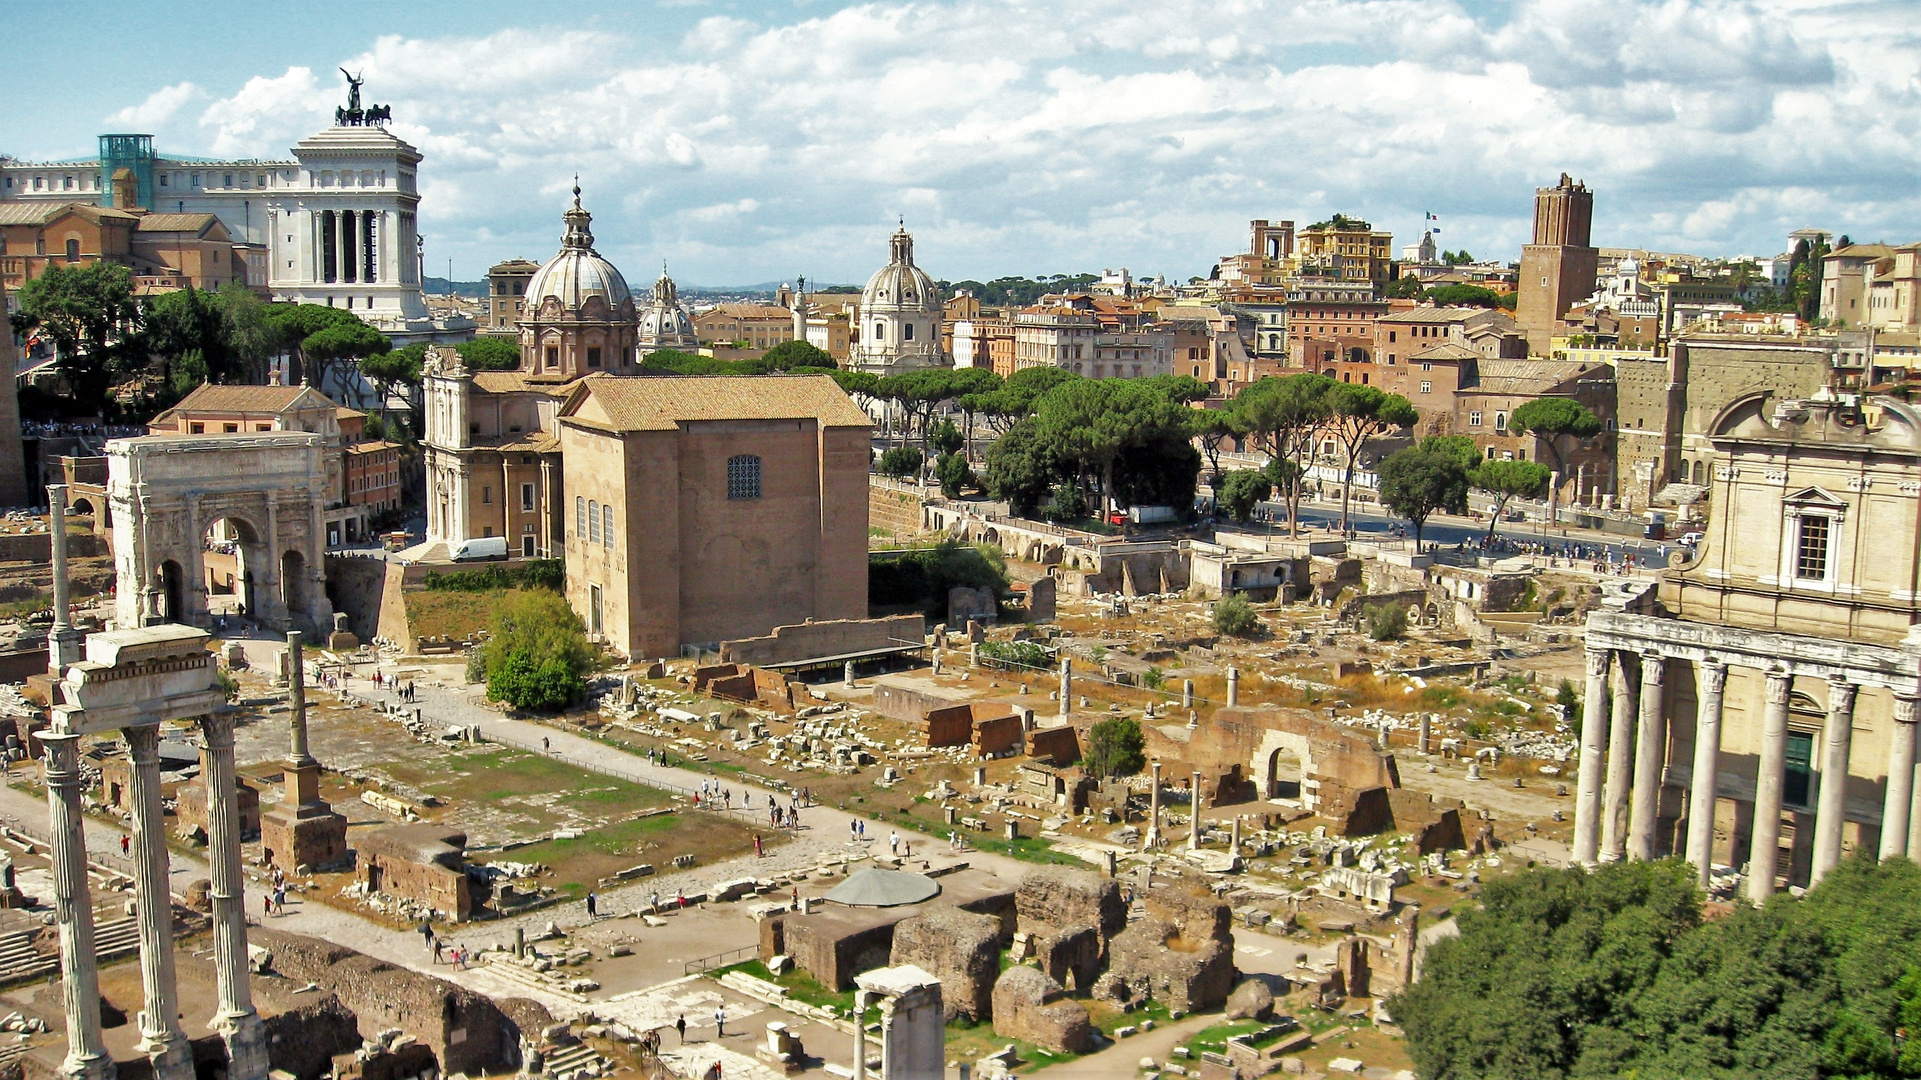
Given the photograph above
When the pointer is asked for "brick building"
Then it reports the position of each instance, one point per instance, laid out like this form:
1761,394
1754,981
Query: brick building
1558,268
705,509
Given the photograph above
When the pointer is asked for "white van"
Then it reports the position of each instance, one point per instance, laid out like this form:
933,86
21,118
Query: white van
484,547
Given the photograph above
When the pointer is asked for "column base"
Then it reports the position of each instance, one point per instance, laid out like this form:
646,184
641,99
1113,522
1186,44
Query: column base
171,1054
79,1067
246,1038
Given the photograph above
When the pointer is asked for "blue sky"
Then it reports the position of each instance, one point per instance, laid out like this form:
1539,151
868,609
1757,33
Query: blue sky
748,142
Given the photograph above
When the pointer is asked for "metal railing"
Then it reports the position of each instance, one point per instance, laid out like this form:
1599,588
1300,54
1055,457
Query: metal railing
719,959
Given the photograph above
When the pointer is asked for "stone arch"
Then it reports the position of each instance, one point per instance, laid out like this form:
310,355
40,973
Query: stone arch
1283,762
173,592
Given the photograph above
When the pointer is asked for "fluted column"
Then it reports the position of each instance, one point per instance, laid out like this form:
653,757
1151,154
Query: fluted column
160,1036
1594,741
1194,818
1153,833
87,1057
1765,844
1067,686
1899,805
63,643
1711,685
1614,815
236,1019
860,1035
1831,808
1650,751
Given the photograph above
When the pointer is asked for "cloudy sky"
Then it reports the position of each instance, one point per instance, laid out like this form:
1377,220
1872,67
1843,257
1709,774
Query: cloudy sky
745,142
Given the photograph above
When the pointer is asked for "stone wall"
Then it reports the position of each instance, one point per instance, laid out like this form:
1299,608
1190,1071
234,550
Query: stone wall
833,637
997,735
1029,1006
467,1032
833,946
896,512
1051,898
906,704
1181,954
190,807
303,1041
959,948
1337,764
1059,744
422,863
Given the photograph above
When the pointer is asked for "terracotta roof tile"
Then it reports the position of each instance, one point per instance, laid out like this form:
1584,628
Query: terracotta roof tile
659,403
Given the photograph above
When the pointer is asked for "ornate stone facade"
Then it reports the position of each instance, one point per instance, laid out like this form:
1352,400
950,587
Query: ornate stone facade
900,315
579,316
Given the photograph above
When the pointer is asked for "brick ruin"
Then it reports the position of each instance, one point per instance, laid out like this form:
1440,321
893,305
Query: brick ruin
421,863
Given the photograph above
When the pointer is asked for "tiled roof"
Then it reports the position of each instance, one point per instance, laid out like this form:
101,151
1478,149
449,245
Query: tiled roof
1521,377
508,382
750,311
246,399
187,223
1446,350
39,213
659,403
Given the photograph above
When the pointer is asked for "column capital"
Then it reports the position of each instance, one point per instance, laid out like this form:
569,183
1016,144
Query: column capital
1597,662
217,730
143,744
1841,695
1714,676
1779,683
1904,707
1653,667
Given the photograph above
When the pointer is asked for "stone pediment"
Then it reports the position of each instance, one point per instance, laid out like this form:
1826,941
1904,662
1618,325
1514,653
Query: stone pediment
1814,496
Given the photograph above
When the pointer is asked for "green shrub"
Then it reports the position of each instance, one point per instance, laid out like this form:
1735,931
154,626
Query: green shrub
1015,654
921,578
1386,621
1115,747
537,652
1235,617
1066,504
533,574
1240,490
1154,678
900,461
954,475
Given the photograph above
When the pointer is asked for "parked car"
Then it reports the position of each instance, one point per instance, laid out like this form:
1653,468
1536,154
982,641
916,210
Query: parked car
483,547
1691,540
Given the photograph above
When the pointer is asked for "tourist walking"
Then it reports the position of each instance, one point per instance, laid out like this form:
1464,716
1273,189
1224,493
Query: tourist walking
680,1027
593,904
720,1021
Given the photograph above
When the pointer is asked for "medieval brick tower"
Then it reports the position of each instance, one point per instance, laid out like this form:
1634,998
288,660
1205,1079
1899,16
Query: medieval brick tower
1558,266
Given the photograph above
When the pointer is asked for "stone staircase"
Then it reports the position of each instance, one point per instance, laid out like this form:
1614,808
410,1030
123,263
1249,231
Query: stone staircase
20,961
573,1061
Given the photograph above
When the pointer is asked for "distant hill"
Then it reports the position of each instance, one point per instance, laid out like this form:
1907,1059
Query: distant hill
477,289
441,286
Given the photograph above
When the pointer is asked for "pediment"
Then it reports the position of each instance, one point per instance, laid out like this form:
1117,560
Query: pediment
1814,496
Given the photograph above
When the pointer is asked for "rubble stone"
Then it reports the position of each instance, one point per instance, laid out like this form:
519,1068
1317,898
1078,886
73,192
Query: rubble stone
1028,1006
1251,1000
958,947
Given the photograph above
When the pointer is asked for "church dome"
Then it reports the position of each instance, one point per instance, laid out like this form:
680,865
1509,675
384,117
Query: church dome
578,273
664,320
900,285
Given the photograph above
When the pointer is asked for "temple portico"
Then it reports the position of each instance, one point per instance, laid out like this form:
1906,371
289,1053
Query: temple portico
1835,746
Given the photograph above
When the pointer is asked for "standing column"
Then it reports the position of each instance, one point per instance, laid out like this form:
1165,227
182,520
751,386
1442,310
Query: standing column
1711,681
1153,834
1764,849
87,1057
160,1036
1900,800
1194,818
860,1035
63,644
1620,760
1067,687
1650,750
1233,687
1831,810
1594,741
236,1020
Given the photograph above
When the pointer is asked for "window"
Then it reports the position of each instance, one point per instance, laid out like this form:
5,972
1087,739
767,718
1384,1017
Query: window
1798,790
1474,419
907,332
1811,547
1500,422
196,429
743,476
1425,366
580,516
553,356
607,527
487,496
593,522
230,428
1426,387
526,496
593,610
73,250
880,331
593,356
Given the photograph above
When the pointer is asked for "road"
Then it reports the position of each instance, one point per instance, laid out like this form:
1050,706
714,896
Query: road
1449,530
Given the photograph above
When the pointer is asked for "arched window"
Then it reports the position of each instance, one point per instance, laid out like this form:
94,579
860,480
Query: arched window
907,332
580,517
743,476
593,522
880,331
607,527
73,250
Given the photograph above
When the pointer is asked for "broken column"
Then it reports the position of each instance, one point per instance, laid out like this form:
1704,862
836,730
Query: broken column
161,1038
1067,686
1194,815
63,641
847,675
236,1020
1153,834
87,1057
1427,734
1187,693
1233,687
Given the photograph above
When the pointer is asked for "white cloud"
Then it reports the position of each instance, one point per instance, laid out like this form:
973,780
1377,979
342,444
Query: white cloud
1031,138
159,109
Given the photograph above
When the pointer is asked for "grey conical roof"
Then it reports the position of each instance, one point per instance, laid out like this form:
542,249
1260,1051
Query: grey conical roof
884,888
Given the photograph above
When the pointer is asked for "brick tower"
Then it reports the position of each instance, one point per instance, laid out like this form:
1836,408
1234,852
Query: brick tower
1558,266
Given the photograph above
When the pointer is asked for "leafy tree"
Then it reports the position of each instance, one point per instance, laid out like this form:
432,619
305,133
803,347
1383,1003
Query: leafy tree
1356,413
1015,398
90,313
1185,389
675,362
188,328
954,475
1386,621
1066,502
968,385
1115,747
252,338
1456,258
900,461
401,367
487,353
1507,480
792,354
1213,428
1087,423
1161,470
1552,419
921,578
1403,288
1462,296
537,652
1237,494
1416,482
1020,468
1282,416
1235,617
329,348
1459,447
858,385
946,438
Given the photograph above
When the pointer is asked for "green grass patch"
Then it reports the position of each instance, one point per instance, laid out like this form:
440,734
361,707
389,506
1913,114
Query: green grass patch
799,985
1215,1038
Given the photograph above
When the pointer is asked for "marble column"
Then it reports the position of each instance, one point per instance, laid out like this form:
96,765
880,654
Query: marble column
860,1035
1153,834
1594,739
1831,808
160,1036
1711,681
1233,687
1067,687
1896,810
1650,753
236,1019
1614,811
1194,818
63,643
1770,775
87,1057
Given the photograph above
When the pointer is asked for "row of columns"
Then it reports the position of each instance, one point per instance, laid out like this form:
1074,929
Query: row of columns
162,1039
349,250
1623,766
